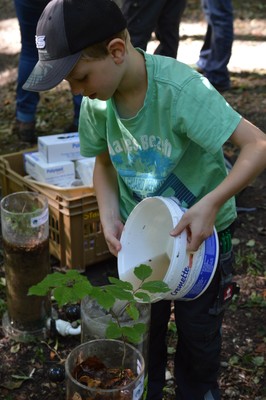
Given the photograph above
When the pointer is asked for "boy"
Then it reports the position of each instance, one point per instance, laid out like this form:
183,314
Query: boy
156,127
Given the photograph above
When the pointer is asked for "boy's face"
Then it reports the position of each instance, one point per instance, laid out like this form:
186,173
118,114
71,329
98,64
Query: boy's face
95,78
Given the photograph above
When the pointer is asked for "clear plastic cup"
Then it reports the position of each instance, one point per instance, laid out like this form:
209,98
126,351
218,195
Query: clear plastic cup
25,232
114,354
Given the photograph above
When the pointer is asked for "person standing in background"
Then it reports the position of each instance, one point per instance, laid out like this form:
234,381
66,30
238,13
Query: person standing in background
217,48
159,16
28,13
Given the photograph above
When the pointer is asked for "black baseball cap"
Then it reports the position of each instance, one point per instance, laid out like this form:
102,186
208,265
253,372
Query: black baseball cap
65,28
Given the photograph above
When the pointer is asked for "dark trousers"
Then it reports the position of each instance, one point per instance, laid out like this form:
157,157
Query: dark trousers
197,357
159,16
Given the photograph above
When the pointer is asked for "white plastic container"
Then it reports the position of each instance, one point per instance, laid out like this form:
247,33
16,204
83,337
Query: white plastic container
146,240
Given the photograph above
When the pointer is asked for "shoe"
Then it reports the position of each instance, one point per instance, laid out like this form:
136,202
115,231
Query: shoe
221,88
196,68
199,70
25,131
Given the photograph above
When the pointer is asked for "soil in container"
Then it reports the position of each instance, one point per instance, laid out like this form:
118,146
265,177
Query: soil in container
26,265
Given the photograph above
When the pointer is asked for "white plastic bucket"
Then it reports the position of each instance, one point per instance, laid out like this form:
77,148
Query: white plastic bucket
146,240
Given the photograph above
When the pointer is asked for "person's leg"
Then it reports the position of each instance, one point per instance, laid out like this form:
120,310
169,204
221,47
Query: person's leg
216,51
141,16
28,13
167,27
199,327
160,314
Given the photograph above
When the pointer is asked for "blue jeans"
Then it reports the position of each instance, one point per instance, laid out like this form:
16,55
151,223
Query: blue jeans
28,13
161,16
216,50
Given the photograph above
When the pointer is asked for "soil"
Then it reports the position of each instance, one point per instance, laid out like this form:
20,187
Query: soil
21,274
24,367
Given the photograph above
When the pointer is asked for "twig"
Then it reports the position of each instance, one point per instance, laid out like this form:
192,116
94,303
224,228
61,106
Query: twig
53,349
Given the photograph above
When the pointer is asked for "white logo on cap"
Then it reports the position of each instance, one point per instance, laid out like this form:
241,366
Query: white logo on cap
40,42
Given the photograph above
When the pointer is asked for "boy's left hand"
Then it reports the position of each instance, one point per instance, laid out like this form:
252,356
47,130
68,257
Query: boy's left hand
198,222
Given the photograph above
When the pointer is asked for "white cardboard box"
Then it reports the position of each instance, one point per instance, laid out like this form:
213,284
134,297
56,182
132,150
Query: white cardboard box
84,170
59,174
62,147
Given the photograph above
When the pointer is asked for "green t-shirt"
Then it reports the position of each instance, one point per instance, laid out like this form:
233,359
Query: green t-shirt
173,146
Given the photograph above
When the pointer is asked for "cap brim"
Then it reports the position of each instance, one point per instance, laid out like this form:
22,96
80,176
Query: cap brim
47,74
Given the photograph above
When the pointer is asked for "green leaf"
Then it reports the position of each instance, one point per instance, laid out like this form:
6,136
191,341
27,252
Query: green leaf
234,360
82,289
140,327
73,274
38,290
256,380
251,243
43,287
57,279
172,327
121,284
258,361
155,287
106,300
64,295
170,350
15,348
113,331
143,271
235,241
132,311
134,333
3,281
130,334
119,293
143,296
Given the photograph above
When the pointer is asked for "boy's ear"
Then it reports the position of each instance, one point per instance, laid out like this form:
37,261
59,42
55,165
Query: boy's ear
117,49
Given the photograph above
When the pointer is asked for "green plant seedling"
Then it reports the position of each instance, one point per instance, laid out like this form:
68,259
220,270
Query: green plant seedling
72,287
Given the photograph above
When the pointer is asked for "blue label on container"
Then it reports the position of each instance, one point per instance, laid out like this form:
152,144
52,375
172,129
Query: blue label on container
206,268
40,219
183,280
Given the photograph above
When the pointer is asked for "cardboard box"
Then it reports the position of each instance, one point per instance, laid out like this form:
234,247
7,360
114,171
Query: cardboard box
84,170
58,174
62,147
